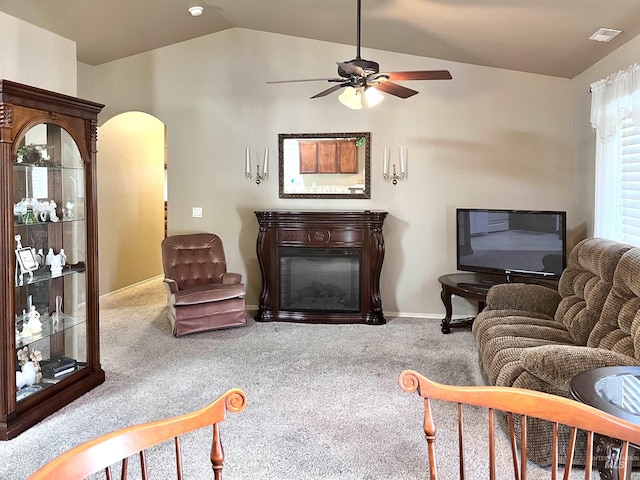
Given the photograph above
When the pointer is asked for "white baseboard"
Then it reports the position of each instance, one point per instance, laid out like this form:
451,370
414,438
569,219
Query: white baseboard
429,316
253,309
141,282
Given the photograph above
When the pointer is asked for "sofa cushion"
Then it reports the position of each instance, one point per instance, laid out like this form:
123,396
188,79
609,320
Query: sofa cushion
556,365
213,292
619,325
483,326
524,298
586,283
504,348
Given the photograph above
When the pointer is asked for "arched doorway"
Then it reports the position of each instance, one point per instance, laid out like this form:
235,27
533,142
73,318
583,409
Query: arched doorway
131,196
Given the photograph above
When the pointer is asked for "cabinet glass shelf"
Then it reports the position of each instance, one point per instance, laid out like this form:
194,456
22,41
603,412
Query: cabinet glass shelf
25,392
49,327
19,224
44,274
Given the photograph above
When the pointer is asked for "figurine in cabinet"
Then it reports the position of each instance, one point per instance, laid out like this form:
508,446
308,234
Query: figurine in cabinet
53,216
70,211
33,322
25,333
56,265
29,363
49,257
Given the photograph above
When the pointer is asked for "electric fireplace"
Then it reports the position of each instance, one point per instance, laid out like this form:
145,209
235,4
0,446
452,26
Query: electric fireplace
319,279
320,267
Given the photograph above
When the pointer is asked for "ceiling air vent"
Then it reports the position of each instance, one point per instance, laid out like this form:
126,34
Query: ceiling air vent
604,34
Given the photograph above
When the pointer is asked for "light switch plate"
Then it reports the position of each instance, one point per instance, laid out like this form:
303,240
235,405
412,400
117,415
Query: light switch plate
197,212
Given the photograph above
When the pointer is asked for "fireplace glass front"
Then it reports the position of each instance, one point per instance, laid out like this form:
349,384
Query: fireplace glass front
319,279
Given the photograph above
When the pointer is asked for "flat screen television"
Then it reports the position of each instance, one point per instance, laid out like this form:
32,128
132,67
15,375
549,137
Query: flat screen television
511,242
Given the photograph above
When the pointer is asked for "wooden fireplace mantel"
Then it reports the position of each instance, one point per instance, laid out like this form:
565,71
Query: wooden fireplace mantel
321,229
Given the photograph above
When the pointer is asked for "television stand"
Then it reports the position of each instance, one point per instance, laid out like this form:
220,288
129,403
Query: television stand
475,286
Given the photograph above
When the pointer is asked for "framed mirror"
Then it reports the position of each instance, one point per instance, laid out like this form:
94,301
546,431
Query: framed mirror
325,165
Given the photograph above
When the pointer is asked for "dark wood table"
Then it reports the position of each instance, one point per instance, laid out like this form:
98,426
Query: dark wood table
475,286
472,286
615,390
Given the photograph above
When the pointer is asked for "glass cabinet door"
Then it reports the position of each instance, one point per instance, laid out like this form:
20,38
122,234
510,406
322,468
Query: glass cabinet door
50,245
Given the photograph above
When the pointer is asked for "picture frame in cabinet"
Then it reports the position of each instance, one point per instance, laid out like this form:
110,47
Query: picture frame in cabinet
26,260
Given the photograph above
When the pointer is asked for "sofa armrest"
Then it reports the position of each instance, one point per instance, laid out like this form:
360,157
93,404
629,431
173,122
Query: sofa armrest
230,277
524,297
558,364
170,285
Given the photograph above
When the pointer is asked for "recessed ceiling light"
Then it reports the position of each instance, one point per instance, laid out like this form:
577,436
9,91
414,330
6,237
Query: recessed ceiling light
196,11
605,34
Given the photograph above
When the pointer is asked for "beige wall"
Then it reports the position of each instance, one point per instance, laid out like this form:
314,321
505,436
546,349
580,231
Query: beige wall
488,138
37,57
130,199
85,80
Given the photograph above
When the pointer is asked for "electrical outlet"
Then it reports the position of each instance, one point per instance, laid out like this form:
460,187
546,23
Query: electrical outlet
197,212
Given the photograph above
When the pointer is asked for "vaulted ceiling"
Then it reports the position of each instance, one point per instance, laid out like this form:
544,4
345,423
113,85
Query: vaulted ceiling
549,37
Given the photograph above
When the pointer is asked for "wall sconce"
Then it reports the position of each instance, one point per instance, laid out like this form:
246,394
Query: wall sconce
394,177
259,176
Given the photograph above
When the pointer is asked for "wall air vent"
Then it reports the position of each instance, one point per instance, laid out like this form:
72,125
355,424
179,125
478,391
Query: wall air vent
605,34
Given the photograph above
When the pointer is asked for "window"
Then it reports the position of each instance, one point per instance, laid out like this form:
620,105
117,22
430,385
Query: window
615,114
630,182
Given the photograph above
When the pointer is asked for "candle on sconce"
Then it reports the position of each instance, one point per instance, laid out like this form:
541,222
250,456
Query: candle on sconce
247,165
385,165
402,160
265,165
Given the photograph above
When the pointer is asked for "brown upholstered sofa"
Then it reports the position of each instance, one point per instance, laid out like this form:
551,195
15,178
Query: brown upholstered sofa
201,294
533,337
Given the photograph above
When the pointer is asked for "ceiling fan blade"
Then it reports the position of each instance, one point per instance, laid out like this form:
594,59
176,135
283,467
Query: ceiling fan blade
396,90
308,80
351,69
328,91
420,75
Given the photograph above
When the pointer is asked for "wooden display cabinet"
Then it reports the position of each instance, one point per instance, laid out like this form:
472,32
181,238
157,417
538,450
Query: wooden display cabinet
50,330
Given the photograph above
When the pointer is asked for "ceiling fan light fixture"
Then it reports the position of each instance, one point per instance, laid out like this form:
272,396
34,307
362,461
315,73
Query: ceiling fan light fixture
196,10
351,98
372,97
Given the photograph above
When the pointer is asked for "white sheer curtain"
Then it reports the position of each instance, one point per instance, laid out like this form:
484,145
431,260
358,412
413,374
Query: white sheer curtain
614,100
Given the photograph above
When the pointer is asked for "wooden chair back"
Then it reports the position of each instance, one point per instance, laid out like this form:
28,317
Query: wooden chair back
101,453
518,404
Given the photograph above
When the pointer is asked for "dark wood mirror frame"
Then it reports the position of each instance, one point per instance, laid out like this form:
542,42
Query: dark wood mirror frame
361,187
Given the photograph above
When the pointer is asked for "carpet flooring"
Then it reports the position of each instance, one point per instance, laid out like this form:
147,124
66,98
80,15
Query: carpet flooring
323,400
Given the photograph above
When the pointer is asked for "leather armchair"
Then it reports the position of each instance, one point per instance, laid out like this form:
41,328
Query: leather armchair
201,294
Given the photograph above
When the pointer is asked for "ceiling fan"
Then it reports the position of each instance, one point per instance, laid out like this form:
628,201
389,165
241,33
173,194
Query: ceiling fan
363,81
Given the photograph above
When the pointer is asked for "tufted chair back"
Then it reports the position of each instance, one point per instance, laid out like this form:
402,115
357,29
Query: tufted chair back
585,285
619,326
194,259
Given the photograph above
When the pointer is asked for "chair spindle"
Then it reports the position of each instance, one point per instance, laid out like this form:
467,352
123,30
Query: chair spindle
178,458
526,404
